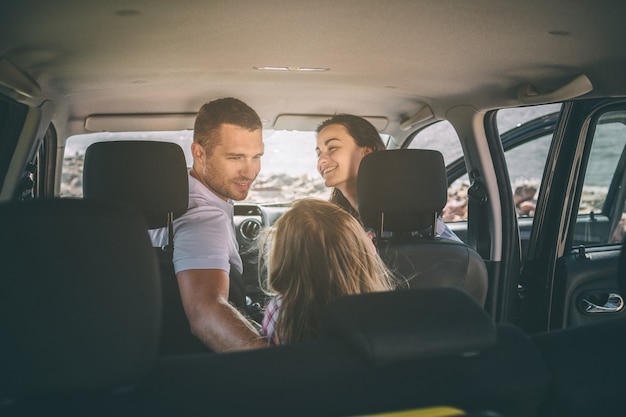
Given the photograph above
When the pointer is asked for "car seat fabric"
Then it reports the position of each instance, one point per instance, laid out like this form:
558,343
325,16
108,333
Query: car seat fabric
80,300
400,325
399,194
498,370
153,177
408,185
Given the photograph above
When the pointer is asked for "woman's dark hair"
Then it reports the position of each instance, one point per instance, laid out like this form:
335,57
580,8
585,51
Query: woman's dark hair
364,134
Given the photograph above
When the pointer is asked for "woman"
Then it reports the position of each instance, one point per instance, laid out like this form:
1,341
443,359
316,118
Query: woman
342,142
317,252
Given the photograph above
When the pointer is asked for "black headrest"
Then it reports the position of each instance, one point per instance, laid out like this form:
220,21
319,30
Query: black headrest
80,296
410,324
408,185
150,175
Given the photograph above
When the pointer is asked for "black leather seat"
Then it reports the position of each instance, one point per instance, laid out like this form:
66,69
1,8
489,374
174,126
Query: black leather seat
152,176
378,353
80,304
400,193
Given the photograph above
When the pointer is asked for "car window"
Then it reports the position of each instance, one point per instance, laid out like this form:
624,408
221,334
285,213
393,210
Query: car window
525,158
288,166
601,215
525,164
442,137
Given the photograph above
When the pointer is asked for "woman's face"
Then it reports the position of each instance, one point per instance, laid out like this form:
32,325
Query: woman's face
338,157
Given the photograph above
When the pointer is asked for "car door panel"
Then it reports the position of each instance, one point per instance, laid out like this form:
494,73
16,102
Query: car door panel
591,229
591,287
570,276
590,270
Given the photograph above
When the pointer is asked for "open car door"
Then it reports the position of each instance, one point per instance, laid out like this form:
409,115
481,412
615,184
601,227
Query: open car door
570,275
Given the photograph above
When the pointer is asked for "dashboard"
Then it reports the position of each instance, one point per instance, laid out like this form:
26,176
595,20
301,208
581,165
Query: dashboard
249,221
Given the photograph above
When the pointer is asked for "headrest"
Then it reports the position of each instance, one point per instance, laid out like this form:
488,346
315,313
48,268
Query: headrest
408,185
150,175
410,324
80,296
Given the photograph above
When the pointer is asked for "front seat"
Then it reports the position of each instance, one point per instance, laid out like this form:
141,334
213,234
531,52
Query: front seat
152,176
400,194
80,305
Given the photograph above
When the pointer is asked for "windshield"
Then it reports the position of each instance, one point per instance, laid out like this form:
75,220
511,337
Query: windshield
288,166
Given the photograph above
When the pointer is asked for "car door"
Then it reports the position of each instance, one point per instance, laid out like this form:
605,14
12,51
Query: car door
569,277
525,134
519,156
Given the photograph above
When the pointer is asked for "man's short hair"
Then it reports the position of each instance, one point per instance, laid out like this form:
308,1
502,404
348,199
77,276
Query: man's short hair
217,112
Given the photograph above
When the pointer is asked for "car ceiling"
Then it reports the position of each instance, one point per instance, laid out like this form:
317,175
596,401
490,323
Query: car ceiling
384,58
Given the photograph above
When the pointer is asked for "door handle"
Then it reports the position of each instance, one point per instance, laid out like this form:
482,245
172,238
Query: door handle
593,303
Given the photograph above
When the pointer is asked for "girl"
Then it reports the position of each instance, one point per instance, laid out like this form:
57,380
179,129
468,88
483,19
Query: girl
318,252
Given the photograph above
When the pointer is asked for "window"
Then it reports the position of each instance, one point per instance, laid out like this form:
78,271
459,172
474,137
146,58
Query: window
601,214
289,165
526,134
442,137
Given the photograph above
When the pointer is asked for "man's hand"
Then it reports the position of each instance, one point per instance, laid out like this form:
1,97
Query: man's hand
213,320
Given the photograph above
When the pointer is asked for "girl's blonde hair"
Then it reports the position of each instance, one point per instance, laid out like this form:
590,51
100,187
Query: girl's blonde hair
317,252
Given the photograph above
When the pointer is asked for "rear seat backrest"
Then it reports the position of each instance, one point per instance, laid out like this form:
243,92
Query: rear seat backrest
80,300
397,326
378,353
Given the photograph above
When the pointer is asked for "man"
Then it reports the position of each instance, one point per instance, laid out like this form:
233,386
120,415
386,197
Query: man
227,148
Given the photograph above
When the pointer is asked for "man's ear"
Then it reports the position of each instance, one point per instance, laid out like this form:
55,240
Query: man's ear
197,151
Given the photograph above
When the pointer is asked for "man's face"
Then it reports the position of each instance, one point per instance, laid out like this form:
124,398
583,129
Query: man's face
233,163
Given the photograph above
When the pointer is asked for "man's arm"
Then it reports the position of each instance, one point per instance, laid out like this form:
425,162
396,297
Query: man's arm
213,320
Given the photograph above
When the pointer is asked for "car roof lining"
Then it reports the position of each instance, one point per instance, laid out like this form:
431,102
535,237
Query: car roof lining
385,59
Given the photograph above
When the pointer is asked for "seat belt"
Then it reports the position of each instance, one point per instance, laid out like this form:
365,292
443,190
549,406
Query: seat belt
477,217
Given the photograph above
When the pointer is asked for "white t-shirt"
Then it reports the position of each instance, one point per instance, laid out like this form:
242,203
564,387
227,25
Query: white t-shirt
204,237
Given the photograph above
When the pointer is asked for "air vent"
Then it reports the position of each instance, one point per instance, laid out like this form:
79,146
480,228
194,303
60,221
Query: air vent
250,229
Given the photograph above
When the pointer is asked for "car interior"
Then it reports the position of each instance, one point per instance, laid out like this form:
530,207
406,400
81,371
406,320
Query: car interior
506,120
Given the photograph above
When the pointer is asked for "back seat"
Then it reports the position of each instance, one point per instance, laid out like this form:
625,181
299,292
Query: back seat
83,335
379,353
80,305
